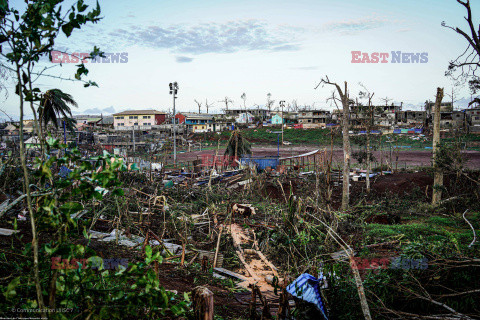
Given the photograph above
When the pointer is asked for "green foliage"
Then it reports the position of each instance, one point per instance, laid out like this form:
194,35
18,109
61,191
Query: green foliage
448,156
30,35
90,293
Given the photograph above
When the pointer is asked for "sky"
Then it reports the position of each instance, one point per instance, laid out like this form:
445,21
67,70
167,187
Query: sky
216,49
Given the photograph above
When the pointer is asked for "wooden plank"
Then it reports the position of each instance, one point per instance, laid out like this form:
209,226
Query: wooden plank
230,273
274,269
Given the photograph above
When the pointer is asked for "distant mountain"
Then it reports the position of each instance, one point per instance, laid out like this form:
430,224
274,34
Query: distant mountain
462,103
104,111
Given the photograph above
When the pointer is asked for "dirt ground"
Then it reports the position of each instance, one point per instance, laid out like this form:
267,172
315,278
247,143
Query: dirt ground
406,158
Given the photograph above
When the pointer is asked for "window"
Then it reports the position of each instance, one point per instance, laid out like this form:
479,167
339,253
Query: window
146,117
135,124
118,117
121,124
133,117
477,118
148,124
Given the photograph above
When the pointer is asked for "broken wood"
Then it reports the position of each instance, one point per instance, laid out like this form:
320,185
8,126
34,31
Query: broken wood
268,263
230,273
218,247
202,299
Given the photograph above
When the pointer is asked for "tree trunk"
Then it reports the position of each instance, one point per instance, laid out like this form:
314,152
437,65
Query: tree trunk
438,174
346,150
368,163
202,303
29,200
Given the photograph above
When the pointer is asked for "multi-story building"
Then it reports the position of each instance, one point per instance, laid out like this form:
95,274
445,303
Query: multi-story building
314,118
138,119
450,119
473,119
387,117
444,107
411,118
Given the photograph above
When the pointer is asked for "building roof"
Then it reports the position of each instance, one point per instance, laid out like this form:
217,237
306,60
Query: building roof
193,115
138,112
11,127
32,140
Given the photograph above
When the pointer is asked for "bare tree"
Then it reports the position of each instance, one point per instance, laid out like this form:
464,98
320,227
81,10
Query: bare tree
199,104
346,138
386,100
294,105
465,66
3,78
244,98
438,175
226,100
368,119
269,102
453,95
207,105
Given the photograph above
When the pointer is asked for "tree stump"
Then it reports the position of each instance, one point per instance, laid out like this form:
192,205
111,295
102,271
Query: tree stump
202,303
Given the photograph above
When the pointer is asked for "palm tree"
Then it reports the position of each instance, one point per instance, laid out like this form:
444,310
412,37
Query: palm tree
56,103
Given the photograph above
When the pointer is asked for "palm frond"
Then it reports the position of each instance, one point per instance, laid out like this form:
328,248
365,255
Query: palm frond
54,103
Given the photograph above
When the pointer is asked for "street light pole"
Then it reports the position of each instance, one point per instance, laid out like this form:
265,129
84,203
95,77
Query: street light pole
173,91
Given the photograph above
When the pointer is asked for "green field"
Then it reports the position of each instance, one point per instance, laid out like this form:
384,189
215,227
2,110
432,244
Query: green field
324,137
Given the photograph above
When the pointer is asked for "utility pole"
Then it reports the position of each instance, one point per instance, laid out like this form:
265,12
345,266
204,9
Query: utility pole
173,91
282,104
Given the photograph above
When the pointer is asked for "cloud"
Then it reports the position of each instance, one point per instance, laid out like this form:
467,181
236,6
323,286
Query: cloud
204,38
356,25
286,47
183,59
307,68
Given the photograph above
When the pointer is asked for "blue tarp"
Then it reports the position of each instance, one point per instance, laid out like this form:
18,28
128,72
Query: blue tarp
307,288
261,163
64,172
